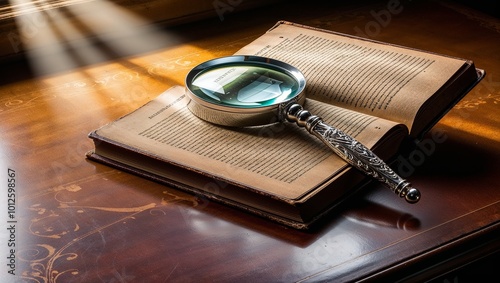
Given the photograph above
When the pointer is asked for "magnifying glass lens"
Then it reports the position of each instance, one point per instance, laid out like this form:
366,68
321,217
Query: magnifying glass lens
245,86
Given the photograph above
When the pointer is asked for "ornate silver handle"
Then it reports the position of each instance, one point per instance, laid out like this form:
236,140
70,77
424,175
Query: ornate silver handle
352,151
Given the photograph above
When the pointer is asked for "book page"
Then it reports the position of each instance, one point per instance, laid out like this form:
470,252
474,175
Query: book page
281,159
373,78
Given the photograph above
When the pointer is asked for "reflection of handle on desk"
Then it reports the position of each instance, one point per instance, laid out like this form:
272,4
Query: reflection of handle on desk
376,215
352,151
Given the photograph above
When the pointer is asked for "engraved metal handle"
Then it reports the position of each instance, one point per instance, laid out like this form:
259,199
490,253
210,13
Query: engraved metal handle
352,151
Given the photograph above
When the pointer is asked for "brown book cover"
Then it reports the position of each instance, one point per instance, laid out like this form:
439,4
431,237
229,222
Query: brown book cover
285,175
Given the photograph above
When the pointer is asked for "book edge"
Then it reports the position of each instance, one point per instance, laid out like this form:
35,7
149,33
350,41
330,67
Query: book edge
92,155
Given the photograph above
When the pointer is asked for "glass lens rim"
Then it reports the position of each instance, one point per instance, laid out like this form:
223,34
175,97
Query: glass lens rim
242,60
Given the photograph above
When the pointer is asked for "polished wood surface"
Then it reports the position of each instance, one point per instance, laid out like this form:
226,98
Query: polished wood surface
79,221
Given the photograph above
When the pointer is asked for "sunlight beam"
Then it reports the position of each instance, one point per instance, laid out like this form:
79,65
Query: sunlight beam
57,37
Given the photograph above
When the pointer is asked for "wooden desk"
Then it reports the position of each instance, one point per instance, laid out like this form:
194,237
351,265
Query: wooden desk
78,221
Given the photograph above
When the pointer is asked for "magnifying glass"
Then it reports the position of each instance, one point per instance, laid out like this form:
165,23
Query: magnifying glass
241,91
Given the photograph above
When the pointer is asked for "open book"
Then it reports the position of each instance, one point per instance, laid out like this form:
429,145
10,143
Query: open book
378,93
